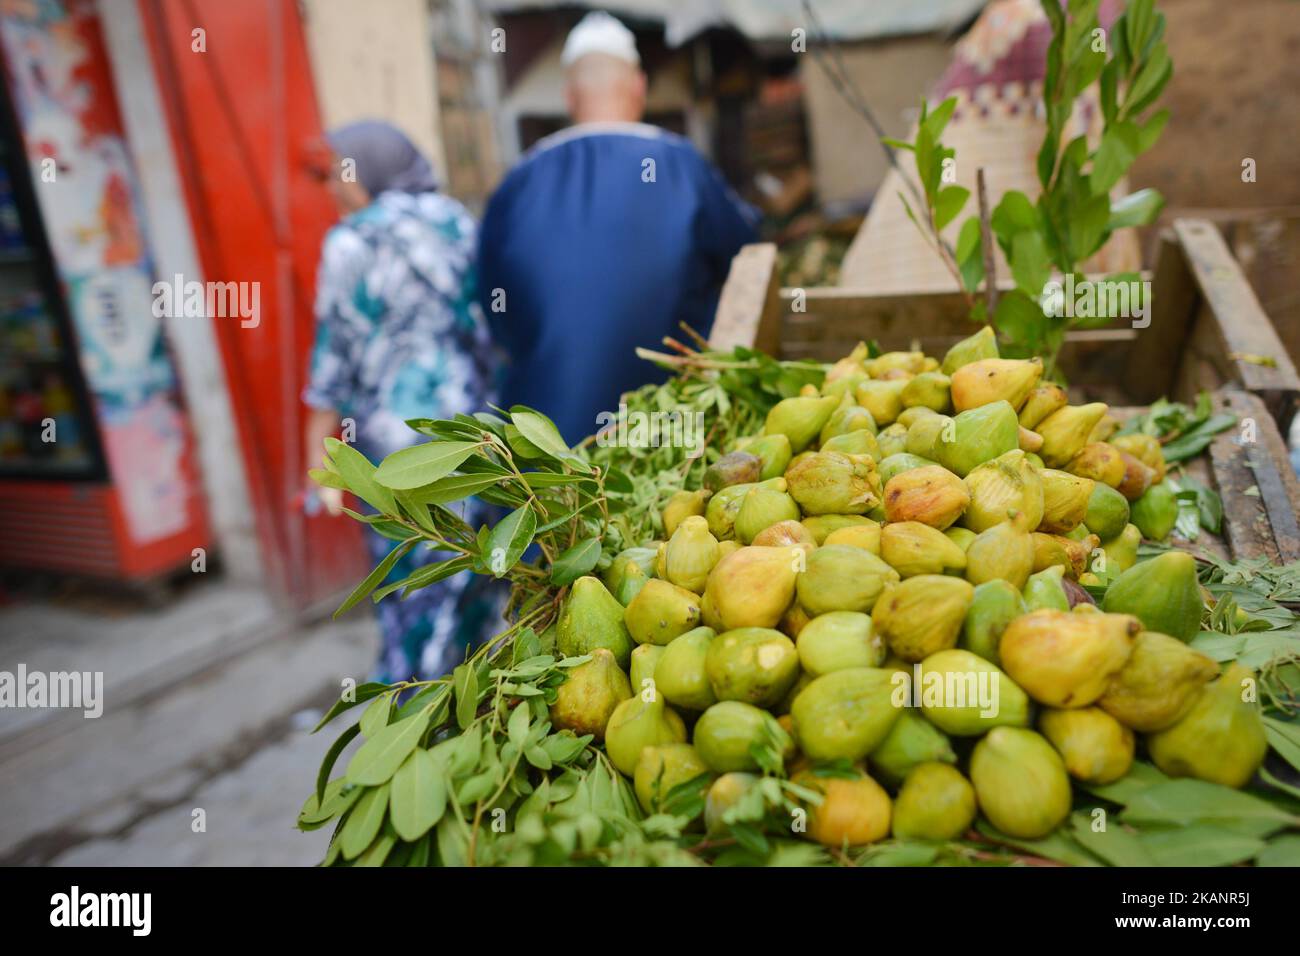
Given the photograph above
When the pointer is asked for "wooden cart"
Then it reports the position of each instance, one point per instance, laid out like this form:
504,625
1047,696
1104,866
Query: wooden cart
1207,332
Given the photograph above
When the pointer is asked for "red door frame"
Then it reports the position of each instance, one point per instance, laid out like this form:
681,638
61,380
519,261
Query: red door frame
242,114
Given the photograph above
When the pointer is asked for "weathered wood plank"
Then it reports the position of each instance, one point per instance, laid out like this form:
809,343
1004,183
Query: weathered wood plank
749,308
1248,337
1261,495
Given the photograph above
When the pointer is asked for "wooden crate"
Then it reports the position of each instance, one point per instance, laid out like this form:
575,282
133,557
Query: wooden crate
1207,332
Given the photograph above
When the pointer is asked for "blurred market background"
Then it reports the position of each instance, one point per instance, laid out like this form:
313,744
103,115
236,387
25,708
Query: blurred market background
162,539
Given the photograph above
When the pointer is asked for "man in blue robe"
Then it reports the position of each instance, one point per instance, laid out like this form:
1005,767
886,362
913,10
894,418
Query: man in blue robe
603,238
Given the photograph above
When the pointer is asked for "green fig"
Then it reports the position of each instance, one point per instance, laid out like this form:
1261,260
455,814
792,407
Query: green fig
590,618
1066,659
680,506
882,398
1003,551
645,661
1157,684
756,665
994,605
932,495
1156,512
589,695
1020,782
993,380
1107,513
844,715
1095,746
925,435
736,468
800,419
1163,593
847,418
638,723
892,440
643,559
977,435
724,794
630,583
842,578
897,464
964,695
840,639
961,537
887,364
935,803
922,615
1220,738
753,587
691,554
661,612
661,768
927,390
680,673
910,415
998,487
860,442
761,508
722,510
1066,431
773,452
1046,589
727,733
1121,552
832,483
982,345
845,384
821,526
912,548
912,741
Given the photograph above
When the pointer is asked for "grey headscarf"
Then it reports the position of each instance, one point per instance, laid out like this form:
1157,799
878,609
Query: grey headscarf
384,157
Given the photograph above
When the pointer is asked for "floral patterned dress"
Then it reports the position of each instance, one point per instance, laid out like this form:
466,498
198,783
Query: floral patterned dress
400,335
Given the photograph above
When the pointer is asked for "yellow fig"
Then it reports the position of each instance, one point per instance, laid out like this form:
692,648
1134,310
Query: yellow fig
1043,399
1221,738
1030,441
865,536
831,483
683,505
1063,659
1146,449
852,812
935,803
820,526
1066,431
851,364
912,548
932,495
661,611
840,578
995,379
909,362
691,554
927,390
1005,484
1003,551
1105,427
752,587
1095,746
1100,462
1020,782
785,534
1065,501
922,615
1158,683
982,345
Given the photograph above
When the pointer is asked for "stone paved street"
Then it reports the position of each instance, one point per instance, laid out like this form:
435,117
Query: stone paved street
221,728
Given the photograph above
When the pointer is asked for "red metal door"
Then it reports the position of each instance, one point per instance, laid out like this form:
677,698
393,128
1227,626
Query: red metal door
242,111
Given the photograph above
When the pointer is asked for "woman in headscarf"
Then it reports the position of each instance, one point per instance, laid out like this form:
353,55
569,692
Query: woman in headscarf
399,335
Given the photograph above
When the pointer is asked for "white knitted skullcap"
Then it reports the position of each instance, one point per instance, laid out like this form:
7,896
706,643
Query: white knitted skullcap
598,32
